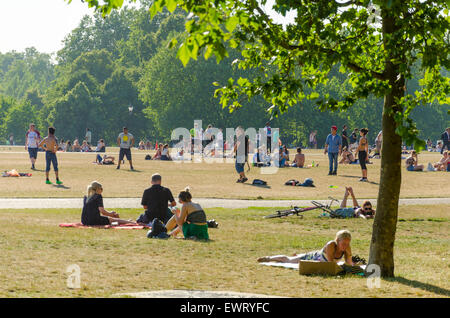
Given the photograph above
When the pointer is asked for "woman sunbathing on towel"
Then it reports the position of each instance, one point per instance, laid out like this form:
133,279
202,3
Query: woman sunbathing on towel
333,251
93,208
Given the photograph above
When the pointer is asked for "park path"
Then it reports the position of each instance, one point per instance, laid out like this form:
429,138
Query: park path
120,203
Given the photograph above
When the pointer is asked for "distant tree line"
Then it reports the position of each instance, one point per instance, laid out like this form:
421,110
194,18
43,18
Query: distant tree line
107,65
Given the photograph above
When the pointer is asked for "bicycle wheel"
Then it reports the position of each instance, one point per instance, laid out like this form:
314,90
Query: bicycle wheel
279,214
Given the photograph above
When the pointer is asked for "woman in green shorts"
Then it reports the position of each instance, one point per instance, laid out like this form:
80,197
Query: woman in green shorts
333,251
191,219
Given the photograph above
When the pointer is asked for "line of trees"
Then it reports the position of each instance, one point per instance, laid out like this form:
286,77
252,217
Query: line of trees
108,64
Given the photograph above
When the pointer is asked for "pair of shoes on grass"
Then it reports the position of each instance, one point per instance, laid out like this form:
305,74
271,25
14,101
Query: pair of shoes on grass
57,182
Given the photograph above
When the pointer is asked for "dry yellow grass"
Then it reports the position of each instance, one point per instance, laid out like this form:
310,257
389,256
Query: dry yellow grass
206,180
36,253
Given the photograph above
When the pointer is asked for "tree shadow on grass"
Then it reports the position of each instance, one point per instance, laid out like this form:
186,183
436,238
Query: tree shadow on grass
424,286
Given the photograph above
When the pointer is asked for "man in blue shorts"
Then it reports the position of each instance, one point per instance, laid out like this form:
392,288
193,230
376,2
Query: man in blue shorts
50,145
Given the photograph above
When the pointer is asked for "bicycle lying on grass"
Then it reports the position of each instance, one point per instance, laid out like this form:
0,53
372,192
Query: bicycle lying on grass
297,211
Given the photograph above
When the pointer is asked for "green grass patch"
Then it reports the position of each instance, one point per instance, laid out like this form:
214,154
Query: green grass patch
36,253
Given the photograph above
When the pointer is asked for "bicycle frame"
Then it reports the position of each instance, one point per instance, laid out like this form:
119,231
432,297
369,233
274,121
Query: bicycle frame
296,210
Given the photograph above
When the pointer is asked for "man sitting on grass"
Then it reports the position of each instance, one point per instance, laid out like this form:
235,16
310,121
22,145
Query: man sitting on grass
299,160
155,202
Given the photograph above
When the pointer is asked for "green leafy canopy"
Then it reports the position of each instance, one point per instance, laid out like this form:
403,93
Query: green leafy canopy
296,58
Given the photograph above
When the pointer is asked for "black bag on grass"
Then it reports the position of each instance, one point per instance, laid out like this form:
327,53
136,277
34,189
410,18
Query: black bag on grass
259,182
292,182
158,229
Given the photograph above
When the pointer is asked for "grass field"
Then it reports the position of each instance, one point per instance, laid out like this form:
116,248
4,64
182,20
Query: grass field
36,252
216,180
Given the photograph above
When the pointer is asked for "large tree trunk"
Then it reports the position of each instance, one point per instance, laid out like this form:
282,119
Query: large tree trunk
385,223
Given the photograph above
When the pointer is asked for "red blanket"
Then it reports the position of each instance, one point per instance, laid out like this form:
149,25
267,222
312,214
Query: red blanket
122,226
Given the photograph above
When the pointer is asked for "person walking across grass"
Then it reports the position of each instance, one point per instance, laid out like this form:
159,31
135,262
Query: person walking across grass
33,138
50,145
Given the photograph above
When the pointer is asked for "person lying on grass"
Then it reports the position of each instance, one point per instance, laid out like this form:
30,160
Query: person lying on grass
333,251
94,213
366,212
191,219
105,160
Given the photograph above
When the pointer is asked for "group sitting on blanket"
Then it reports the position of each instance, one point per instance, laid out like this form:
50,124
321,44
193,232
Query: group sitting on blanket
333,251
191,219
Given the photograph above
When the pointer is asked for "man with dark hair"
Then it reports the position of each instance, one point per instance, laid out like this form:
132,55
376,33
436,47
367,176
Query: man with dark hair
125,142
344,137
155,201
299,160
50,145
33,138
333,145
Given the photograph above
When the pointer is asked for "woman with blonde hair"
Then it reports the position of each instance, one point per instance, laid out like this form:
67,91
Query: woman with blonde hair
93,211
333,251
191,219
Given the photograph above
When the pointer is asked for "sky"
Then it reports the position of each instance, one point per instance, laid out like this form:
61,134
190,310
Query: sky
44,24
39,23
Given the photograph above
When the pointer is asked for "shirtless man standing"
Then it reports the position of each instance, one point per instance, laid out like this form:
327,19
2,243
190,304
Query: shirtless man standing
50,145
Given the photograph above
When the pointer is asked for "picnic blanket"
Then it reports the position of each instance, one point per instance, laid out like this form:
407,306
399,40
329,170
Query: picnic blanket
117,227
296,265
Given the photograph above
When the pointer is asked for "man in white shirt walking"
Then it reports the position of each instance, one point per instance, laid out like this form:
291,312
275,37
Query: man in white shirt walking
33,138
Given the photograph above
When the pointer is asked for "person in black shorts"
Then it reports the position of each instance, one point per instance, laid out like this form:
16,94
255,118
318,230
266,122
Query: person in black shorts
156,201
363,150
125,142
344,137
94,213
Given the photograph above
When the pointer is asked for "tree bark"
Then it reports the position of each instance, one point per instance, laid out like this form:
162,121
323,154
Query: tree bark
385,223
